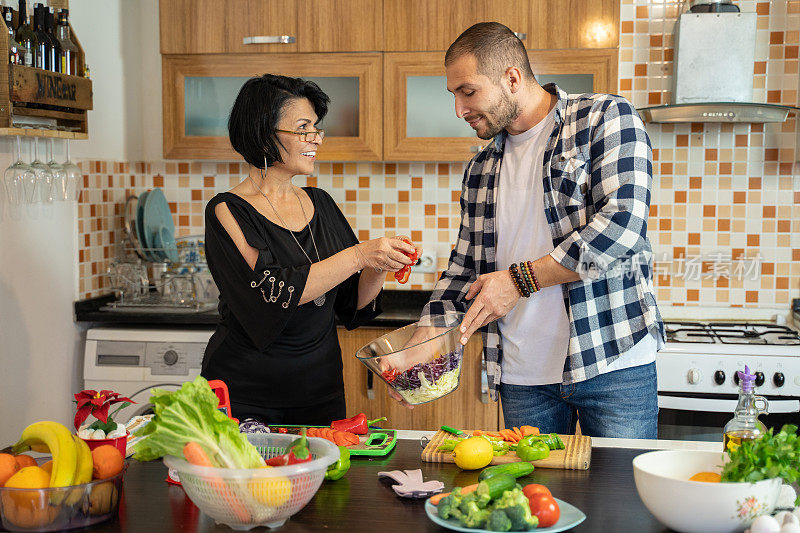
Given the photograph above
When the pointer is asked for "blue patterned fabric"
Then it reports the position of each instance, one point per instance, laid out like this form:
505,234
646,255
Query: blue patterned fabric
597,178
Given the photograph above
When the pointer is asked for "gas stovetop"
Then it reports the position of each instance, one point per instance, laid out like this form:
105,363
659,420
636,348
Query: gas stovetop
731,333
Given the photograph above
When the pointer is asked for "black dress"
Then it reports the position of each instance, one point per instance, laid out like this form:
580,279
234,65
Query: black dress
279,360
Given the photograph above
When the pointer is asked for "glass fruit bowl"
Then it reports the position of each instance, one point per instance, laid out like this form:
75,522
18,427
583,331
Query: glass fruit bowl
421,362
60,508
244,498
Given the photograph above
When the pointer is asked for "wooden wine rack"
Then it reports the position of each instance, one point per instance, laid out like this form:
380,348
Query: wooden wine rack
20,86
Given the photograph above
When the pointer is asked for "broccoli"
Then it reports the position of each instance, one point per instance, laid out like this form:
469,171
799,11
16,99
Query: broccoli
448,506
472,516
517,508
498,521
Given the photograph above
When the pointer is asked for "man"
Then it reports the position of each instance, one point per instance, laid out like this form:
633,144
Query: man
564,185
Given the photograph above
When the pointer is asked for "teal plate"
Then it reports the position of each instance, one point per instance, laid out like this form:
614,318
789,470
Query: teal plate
570,517
140,226
156,215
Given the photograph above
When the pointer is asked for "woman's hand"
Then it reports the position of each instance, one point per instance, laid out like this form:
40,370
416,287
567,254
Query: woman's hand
384,253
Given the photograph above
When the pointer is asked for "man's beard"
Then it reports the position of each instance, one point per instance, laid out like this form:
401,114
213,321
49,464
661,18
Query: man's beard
505,112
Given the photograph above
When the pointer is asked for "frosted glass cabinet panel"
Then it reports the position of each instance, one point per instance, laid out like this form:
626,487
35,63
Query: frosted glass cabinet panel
208,101
571,83
430,109
199,91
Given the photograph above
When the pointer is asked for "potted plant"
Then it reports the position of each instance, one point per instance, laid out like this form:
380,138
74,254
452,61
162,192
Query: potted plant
103,430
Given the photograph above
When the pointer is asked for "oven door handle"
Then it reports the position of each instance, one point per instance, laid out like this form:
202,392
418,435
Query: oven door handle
721,406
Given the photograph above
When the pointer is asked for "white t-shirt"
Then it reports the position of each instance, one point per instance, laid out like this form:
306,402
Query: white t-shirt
535,333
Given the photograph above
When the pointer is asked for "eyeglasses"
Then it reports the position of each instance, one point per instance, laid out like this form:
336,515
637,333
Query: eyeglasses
307,136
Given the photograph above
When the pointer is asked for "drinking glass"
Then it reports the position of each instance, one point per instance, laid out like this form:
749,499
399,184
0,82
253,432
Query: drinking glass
17,177
59,176
74,176
44,178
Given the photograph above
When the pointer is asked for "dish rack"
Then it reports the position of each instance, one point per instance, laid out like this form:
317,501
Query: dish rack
162,278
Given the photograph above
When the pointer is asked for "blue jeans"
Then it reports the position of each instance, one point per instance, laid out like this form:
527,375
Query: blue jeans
623,404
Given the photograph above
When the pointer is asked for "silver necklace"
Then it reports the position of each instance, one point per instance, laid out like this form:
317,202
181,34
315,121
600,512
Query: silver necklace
319,301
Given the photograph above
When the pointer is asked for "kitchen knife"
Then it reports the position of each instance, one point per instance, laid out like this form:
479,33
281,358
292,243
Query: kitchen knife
456,432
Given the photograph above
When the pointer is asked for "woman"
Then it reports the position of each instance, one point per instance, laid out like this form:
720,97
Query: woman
286,261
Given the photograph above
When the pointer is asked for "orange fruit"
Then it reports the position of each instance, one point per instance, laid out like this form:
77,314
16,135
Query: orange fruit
25,460
30,477
707,477
47,467
8,467
107,462
39,514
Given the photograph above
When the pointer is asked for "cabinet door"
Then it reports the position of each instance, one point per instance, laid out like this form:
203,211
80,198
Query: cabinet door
199,90
464,408
193,26
262,26
340,26
420,122
574,24
576,71
426,24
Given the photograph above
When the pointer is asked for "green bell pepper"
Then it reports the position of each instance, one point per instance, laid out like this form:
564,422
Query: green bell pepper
532,449
338,469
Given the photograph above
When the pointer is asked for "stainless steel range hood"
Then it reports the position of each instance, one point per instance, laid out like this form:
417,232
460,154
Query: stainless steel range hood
717,112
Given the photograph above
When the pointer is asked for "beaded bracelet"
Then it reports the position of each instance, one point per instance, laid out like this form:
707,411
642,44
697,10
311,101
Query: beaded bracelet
526,276
535,281
517,279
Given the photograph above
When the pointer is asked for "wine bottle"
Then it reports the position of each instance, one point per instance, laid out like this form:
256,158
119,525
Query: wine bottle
14,49
44,49
69,52
50,29
27,38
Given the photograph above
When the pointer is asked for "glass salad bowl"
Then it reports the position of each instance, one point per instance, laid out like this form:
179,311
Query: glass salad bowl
421,362
244,498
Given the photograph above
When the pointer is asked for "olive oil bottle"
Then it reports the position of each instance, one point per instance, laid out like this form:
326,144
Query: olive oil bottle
745,424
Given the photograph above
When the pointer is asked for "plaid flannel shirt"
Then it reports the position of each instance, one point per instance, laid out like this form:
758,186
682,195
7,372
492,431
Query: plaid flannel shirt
597,177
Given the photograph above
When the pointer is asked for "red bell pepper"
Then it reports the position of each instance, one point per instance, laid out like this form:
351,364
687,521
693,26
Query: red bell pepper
297,452
402,275
357,424
390,375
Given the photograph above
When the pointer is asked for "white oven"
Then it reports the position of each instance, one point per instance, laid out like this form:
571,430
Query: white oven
132,361
697,381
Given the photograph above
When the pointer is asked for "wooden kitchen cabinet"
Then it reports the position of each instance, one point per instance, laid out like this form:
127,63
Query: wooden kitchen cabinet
420,123
574,24
199,90
463,408
248,26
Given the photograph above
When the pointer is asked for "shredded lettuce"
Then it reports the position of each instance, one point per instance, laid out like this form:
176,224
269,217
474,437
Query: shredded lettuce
428,391
190,414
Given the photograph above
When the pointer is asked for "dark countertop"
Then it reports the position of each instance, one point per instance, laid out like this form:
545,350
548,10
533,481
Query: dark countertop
361,502
399,309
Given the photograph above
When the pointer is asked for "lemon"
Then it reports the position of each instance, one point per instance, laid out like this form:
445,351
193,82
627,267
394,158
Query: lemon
272,491
473,453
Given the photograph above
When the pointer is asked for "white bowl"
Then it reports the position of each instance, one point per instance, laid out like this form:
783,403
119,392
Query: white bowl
662,480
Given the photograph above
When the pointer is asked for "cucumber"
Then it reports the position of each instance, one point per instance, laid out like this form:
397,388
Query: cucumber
495,486
518,469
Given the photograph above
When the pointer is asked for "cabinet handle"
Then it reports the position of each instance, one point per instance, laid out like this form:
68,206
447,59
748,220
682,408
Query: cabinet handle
475,149
484,383
521,36
370,388
270,39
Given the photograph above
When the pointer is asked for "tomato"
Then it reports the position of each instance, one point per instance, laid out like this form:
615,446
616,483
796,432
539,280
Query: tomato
545,509
535,489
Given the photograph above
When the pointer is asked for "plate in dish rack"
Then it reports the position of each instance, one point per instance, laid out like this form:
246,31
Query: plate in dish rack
570,517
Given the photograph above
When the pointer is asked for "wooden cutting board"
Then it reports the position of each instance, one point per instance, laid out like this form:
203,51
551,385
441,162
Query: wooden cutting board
577,454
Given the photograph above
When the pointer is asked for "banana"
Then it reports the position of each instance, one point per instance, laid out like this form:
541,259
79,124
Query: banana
83,473
59,441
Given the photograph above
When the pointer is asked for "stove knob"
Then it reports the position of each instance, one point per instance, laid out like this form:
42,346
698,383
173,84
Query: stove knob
736,378
778,379
759,379
694,376
170,357
719,377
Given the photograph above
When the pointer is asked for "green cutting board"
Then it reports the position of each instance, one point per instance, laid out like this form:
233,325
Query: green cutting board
376,443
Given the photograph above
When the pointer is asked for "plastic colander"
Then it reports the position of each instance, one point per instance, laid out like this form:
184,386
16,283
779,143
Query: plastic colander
252,497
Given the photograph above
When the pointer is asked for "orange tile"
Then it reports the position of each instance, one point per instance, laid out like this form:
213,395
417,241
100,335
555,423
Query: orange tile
377,209
669,54
197,195
741,140
656,40
784,226
625,84
681,140
739,197
790,52
626,26
666,168
694,239
753,239
654,98
416,183
183,220
665,224
455,196
695,182
363,181
711,154
183,168
443,223
158,181
443,169
641,12
767,269
697,127
680,197
709,210
751,297
754,184
389,222
776,37
785,169
692,295
768,211
430,209
402,196
416,235
726,169
363,235
640,69
311,181
350,195
337,168
781,283
762,8
390,168
774,97
722,283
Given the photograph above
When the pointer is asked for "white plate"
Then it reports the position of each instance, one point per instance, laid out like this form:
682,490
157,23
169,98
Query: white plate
570,517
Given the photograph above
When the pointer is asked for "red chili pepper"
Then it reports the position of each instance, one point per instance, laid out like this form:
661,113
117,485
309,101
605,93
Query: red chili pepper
297,452
357,424
283,430
390,375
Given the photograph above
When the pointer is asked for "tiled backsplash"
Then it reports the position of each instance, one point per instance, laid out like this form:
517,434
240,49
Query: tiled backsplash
725,217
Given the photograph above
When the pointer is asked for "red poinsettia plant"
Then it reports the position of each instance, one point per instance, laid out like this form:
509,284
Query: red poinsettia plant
91,402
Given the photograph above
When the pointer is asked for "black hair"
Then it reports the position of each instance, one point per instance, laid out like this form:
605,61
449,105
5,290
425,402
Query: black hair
257,110
495,47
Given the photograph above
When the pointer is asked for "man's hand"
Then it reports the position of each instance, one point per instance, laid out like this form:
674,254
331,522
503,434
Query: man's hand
496,296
